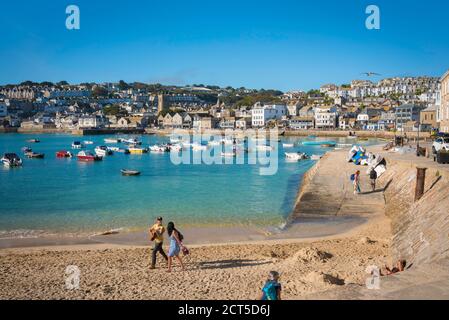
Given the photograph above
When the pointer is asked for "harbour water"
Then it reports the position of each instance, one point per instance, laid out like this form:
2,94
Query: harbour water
65,196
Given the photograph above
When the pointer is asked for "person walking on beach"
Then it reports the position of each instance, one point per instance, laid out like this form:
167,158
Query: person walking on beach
175,245
356,182
272,288
157,235
373,178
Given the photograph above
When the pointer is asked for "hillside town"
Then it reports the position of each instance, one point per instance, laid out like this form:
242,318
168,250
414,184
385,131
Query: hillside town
394,104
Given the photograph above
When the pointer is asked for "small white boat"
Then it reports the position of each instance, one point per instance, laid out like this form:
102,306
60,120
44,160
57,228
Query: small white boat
111,140
103,151
198,147
87,142
11,160
127,172
114,149
174,140
175,148
264,148
77,145
228,154
132,141
214,143
288,145
158,149
296,156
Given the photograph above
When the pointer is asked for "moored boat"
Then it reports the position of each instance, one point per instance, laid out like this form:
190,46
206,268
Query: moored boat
112,140
103,151
135,150
77,145
26,149
87,142
127,172
33,141
296,156
158,149
88,156
63,154
11,160
288,145
35,155
132,141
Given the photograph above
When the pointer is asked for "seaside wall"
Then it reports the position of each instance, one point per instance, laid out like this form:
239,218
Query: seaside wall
420,229
361,134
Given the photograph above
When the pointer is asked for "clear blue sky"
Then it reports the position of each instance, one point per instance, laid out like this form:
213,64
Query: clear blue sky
257,44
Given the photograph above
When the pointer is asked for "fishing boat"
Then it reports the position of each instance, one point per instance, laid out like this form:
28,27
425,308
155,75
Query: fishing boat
77,145
87,142
288,145
112,140
296,156
127,172
33,141
63,154
136,150
34,155
103,151
11,160
88,156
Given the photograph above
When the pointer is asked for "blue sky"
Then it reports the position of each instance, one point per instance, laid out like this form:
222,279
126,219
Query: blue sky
257,44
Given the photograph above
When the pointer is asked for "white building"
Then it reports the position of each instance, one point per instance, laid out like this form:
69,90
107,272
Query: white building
325,118
91,122
262,114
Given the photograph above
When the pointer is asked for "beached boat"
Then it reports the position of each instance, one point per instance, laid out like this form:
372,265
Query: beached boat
288,145
87,142
11,160
34,155
33,141
135,150
77,145
103,151
63,154
127,172
315,157
296,156
88,156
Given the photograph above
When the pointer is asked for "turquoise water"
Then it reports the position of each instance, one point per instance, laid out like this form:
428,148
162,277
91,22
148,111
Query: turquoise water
64,195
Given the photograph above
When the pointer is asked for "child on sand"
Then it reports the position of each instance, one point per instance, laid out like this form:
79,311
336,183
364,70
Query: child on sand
272,288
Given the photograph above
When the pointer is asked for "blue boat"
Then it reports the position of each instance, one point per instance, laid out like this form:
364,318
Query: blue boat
319,143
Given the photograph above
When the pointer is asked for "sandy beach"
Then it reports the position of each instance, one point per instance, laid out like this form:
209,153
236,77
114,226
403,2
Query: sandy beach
215,269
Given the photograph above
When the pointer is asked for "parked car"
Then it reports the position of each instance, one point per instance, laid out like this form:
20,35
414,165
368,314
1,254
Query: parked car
441,143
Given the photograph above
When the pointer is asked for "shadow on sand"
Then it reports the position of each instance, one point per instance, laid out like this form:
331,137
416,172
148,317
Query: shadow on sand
225,264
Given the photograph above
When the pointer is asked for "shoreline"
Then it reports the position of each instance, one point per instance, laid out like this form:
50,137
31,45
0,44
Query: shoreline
294,227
